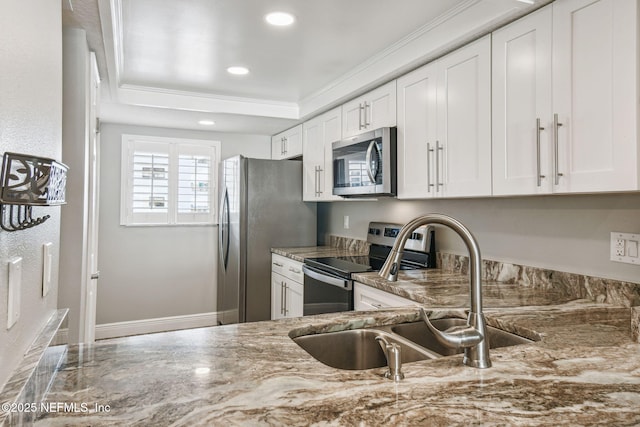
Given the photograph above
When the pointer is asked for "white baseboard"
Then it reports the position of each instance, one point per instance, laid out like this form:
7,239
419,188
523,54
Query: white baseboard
149,326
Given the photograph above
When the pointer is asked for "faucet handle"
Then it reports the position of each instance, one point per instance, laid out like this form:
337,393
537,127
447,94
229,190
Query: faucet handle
393,354
455,337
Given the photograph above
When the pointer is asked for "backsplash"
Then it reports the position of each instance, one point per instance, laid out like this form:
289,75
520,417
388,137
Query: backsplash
575,285
348,243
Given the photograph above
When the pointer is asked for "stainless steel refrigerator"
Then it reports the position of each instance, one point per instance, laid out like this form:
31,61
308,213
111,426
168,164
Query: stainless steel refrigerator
260,207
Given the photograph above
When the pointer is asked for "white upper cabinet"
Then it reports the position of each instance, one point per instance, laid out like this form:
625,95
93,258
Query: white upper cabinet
444,126
288,144
318,135
564,100
417,135
463,148
522,106
373,110
595,94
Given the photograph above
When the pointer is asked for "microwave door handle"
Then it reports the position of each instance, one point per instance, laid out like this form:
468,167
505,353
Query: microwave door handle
367,160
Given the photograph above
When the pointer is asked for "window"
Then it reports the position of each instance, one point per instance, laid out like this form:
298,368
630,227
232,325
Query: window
168,181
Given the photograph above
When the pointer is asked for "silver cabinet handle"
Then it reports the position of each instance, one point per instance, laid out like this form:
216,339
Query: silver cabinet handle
282,146
278,264
367,106
284,306
360,121
95,275
282,298
429,151
317,181
556,162
439,149
538,173
320,170
295,270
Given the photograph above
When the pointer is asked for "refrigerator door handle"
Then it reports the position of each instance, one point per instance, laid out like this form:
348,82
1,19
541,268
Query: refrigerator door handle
225,225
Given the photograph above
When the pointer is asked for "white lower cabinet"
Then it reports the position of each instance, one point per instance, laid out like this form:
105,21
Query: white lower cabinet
287,287
286,297
368,298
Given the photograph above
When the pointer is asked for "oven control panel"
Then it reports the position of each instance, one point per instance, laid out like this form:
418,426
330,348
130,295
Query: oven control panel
382,233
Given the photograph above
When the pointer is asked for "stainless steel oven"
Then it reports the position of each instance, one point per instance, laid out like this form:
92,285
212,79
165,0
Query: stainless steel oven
325,292
328,286
365,165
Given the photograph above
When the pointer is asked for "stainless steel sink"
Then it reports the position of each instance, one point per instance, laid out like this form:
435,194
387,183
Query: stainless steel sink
358,349
419,333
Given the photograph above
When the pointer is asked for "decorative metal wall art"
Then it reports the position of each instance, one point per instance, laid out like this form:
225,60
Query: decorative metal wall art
28,181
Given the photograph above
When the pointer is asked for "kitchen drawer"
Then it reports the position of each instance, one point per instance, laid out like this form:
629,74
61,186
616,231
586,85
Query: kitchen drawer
368,298
287,267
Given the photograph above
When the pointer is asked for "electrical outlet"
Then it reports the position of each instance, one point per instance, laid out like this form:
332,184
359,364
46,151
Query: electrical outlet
47,265
346,222
624,247
15,283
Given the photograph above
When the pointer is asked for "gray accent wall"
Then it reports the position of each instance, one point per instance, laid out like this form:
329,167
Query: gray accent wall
563,232
155,272
30,123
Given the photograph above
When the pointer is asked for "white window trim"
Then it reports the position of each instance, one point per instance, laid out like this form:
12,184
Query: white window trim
173,148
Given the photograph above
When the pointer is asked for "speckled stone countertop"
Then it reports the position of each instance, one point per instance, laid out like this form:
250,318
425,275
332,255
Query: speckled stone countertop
584,371
439,288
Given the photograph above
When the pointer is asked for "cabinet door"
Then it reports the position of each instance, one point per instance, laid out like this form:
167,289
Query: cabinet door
374,110
595,88
313,153
463,152
277,147
380,107
295,299
521,106
287,144
293,142
332,132
352,118
277,296
416,132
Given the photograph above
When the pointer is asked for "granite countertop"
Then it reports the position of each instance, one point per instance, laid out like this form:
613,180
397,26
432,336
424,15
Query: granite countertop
299,254
439,288
584,371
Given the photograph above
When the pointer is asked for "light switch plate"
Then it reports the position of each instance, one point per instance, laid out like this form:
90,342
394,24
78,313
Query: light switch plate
47,263
15,283
624,247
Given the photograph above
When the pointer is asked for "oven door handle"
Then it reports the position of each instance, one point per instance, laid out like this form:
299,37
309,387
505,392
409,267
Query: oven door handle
325,278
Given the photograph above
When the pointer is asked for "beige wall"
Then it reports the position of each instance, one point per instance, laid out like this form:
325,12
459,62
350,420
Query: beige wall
30,123
566,233
154,272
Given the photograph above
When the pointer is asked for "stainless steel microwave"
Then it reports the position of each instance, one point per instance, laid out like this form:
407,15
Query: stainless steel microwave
365,165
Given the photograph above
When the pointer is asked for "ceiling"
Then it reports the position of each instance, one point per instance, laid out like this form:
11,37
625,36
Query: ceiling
163,62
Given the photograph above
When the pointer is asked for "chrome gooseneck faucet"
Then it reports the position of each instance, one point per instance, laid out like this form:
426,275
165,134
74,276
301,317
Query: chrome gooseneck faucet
471,337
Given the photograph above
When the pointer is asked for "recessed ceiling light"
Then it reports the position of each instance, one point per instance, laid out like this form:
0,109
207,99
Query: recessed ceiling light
239,71
206,122
279,19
